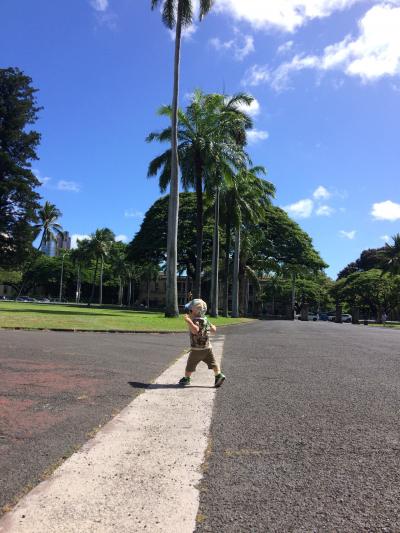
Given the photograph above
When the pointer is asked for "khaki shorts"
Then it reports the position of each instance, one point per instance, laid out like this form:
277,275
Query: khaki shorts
196,356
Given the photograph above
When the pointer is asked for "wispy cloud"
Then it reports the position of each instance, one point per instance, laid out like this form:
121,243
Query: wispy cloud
285,47
286,16
70,186
321,193
325,211
371,55
240,46
385,238
133,213
300,209
387,210
99,5
348,234
254,136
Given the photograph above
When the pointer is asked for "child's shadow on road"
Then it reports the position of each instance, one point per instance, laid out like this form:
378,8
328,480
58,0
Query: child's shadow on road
140,385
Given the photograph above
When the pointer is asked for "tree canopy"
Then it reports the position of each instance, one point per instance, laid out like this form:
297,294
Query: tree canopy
18,145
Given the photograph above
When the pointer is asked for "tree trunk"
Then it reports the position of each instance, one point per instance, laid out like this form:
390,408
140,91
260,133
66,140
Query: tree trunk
129,292
148,294
293,294
215,259
133,294
199,232
235,282
120,292
171,304
101,281
225,307
93,283
78,285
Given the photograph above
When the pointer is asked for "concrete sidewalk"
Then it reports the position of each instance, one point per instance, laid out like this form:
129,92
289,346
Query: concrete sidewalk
140,472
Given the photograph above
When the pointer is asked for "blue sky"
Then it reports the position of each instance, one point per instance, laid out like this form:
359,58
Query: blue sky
325,75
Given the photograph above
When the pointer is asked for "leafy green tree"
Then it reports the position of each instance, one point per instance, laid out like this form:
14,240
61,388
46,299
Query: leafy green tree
372,291
18,145
176,14
149,244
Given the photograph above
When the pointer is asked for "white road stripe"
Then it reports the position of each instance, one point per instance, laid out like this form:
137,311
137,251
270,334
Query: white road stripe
139,473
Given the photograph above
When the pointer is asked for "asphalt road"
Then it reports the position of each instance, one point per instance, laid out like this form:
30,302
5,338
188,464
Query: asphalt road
305,433
57,388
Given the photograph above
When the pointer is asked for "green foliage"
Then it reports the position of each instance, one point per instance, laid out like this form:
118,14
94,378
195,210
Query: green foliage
10,277
371,290
150,243
18,144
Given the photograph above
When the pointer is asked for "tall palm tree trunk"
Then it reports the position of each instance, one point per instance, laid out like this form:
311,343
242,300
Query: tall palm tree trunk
93,282
235,283
225,307
293,293
129,292
101,281
215,259
78,284
120,292
171,307
199,233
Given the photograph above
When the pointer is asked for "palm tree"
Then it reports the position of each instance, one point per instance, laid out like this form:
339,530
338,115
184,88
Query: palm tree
390,256
176,14
79,258
99,248
211,137
48,225
251,195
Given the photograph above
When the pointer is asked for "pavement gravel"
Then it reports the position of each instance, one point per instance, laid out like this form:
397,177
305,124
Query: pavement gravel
57,389
305,432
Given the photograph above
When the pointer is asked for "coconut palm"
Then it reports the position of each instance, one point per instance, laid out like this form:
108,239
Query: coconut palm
99,248
250,195
390,256
176,14
80,258
211,137
48,225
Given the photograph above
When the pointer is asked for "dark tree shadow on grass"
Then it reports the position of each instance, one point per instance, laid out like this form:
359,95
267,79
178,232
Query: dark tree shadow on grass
56,312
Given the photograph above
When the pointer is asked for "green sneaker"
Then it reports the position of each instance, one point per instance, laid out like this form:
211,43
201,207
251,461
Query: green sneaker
219,379
185,381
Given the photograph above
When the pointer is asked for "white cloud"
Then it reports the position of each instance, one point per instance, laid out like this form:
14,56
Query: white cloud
374,53
285,47
321,193
133,213
387,210
348,234
254,136
256,75
285,15
385,238
99,5
72,186
325,211
300,209
253,109
121,238
77,237
241,45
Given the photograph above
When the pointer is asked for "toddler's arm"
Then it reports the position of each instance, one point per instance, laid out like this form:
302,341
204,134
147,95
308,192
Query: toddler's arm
213,328
193,328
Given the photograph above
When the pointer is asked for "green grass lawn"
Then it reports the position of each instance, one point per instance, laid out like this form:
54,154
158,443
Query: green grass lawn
393,326
26,315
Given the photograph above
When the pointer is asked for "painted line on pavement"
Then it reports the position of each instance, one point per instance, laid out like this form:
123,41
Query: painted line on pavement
139,473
